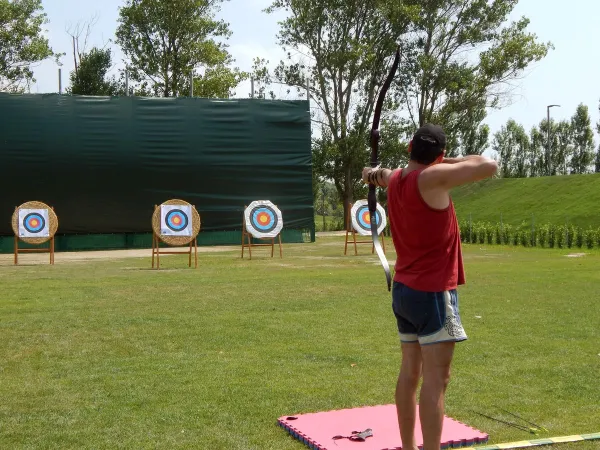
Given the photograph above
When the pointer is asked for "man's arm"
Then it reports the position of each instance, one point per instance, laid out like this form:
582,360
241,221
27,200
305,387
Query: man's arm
457,171
379,177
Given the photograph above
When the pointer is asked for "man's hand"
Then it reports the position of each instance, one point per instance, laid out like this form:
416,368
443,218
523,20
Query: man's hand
365,174
377,176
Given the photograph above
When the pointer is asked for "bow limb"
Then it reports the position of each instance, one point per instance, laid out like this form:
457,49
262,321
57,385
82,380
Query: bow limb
372,197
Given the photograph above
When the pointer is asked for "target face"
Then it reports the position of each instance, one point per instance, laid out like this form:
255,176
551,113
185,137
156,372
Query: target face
175,220
361,218
33,223
263,219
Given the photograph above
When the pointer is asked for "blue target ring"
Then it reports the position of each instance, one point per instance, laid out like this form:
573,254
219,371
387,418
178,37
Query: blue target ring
363,216
34,223
176,220
263,218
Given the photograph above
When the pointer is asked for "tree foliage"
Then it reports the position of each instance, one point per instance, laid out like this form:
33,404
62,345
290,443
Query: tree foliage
571,147
583,140
512,145
345,49
90,77
167,40
461,58
22,43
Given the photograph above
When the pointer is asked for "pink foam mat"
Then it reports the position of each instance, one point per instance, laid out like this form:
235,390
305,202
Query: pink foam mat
316,430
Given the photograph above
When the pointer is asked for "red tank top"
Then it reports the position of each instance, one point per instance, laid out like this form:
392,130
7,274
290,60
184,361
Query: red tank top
427,240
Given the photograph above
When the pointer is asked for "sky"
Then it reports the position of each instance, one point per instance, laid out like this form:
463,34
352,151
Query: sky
568,76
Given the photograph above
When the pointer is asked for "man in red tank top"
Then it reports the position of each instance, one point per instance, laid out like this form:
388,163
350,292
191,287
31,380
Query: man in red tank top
428,270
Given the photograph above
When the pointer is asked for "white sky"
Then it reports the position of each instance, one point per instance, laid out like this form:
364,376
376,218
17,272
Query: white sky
569,75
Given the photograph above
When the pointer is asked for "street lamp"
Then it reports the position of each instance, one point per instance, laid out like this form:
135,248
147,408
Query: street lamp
548,151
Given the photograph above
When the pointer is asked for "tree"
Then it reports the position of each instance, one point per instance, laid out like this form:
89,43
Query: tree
22,43
540,140
562,147
461,59
349,45
167,40
513,146
90,78
583,140
537,152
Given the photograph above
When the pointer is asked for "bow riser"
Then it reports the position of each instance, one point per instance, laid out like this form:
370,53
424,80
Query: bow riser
372,196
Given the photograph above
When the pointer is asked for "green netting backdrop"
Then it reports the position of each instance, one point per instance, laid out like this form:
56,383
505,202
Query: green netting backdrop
103,163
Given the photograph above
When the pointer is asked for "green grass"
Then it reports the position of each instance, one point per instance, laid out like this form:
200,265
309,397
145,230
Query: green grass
557,200
109,355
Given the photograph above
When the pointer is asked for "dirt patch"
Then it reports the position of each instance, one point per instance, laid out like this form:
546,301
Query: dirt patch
575,255
43,258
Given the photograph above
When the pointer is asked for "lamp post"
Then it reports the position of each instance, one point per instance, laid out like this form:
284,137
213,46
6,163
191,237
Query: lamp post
548,161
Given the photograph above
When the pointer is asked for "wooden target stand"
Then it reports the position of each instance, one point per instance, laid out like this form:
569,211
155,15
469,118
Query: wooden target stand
247,239
52,228
175,241
350,230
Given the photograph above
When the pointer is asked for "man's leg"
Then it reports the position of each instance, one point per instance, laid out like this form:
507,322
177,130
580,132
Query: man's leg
406,393
437,359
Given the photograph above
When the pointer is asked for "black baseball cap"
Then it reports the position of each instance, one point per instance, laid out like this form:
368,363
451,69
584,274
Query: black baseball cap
430,136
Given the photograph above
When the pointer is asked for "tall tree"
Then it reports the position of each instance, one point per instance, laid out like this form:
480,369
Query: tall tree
349,45
537,152
22,42
583,140
462,57
512,145
550,160
563,150
167,40
90,77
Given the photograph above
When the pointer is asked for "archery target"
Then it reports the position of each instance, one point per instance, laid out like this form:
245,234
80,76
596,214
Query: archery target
263,219
34,223
361,218
176,220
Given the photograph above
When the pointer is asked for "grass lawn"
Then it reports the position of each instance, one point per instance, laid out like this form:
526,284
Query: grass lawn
556,200
110,354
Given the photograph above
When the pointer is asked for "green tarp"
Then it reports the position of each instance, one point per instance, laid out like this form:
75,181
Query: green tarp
103,163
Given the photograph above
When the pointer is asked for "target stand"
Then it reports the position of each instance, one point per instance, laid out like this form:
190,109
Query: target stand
262,221
34,223
177,224
358,221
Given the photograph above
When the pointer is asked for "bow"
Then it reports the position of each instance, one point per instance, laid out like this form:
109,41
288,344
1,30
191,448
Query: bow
372,197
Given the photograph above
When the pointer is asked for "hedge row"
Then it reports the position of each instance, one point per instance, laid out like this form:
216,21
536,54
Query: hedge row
545,236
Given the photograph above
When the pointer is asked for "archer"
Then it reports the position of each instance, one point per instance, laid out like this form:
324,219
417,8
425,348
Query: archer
428,270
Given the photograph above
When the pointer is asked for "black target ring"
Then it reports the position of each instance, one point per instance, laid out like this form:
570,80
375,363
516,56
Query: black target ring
171,220
37,228
260,211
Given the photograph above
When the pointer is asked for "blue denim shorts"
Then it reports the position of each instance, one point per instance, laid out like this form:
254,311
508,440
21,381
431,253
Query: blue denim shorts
427,317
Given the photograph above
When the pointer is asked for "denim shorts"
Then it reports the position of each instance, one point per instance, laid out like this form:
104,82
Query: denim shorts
427,317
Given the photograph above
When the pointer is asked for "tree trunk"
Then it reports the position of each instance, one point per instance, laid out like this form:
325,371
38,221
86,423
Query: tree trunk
347,197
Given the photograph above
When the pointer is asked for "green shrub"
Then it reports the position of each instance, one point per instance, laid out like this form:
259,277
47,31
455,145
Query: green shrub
570,235
560,234
542,235
578,237
498,234
588,237
551,236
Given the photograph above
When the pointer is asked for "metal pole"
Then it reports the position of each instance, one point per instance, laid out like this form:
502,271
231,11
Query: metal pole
126,82
191,85
308,89
60,81
252,87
